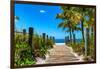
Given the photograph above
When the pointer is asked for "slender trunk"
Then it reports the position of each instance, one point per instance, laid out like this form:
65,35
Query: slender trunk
90,32
74,38
66,40
85,47
70,36
93,35
90,38
82,28
88,42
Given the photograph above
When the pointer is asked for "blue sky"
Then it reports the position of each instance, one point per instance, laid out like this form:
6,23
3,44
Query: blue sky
42,18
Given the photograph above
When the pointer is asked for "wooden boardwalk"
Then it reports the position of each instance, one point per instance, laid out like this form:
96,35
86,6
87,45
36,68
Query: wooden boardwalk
61,54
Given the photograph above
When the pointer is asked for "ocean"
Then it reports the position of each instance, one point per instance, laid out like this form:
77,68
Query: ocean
59,40
63,40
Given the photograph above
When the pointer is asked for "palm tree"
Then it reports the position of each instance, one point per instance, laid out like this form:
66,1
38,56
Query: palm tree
66,24
89,25
16,18
71,18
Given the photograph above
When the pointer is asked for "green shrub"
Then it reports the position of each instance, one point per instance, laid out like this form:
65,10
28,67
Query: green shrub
25,54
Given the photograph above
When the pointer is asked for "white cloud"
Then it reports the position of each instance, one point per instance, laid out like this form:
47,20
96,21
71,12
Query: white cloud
42,11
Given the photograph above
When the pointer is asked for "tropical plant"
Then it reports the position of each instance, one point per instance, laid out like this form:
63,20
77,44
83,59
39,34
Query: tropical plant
71,18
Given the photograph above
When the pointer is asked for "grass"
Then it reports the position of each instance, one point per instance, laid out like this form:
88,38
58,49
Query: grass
77,47
80,50
24,53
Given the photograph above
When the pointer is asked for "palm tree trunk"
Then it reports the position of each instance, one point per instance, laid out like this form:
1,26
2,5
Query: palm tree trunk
90,32
82,28
93,34
85,46
73,36
88,42
90,38
70,36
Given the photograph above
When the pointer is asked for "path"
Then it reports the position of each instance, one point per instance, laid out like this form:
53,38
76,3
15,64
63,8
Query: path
61,54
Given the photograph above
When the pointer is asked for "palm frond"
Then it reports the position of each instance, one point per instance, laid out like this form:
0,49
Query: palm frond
16,17
65,24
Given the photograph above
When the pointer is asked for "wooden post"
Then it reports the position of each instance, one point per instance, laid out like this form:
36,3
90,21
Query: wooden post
44,37
24,34
53,39
31,32
24,31
30,36
44,40
47,40
47,37
50,37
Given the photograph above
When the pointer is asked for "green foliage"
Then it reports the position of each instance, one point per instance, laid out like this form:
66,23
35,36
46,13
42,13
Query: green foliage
16,17
72,17
79,49
49,43
25,58
24,53
41,47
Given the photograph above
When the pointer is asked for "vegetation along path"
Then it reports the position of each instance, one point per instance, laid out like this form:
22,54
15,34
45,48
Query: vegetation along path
62,54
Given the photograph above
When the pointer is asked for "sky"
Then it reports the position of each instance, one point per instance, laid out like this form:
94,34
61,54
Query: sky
42,18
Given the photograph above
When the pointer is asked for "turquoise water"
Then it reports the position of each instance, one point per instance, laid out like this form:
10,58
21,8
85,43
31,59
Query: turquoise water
59,40
63,40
